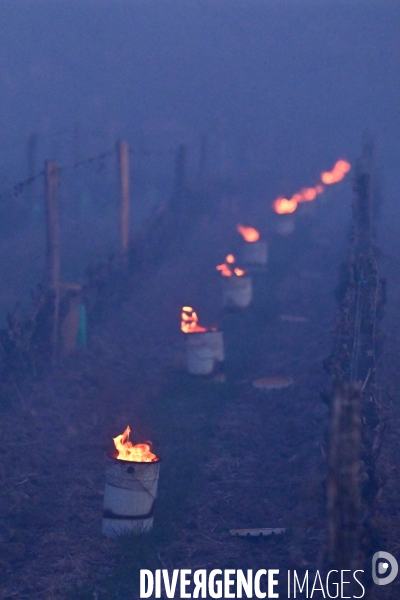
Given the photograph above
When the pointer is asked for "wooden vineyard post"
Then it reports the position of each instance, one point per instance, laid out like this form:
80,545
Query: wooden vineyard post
53,243
178,196
343,489
70,323
123,163
180,216
357,413
203,160
31,164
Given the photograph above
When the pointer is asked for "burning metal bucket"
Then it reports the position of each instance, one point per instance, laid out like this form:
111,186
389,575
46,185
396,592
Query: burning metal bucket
237,291
203,350
129,496
131,488
255,253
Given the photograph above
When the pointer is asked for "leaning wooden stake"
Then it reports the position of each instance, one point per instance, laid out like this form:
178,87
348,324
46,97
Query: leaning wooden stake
53,243
123,162
343,489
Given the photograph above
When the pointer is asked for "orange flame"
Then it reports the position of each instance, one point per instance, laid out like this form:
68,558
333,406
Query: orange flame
190,321
249,234
284,206
127,451
226,269
341,168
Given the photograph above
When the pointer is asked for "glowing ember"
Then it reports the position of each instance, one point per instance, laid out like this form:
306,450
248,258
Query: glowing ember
284,206
127,451
308,194
341,168
227,270
190,321
249,234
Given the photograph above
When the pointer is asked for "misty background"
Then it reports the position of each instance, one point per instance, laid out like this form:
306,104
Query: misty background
279,90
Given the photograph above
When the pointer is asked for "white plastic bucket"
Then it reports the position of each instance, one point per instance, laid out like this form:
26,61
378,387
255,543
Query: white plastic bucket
237,291
203,349
129,496
255,253
285,224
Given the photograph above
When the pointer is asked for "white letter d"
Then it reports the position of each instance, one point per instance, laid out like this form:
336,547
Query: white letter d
146,576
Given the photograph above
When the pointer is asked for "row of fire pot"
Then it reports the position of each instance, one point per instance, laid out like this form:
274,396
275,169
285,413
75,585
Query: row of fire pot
205,346
132,471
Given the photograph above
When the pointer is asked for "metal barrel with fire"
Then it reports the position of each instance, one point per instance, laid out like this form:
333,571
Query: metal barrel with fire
204,347
254,254
237,286
131,488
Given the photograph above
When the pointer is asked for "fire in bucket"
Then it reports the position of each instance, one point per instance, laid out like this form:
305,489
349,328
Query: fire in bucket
131,487
254,248
204,347
237,288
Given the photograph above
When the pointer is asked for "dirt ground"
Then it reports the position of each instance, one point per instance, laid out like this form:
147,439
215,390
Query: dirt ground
232,456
